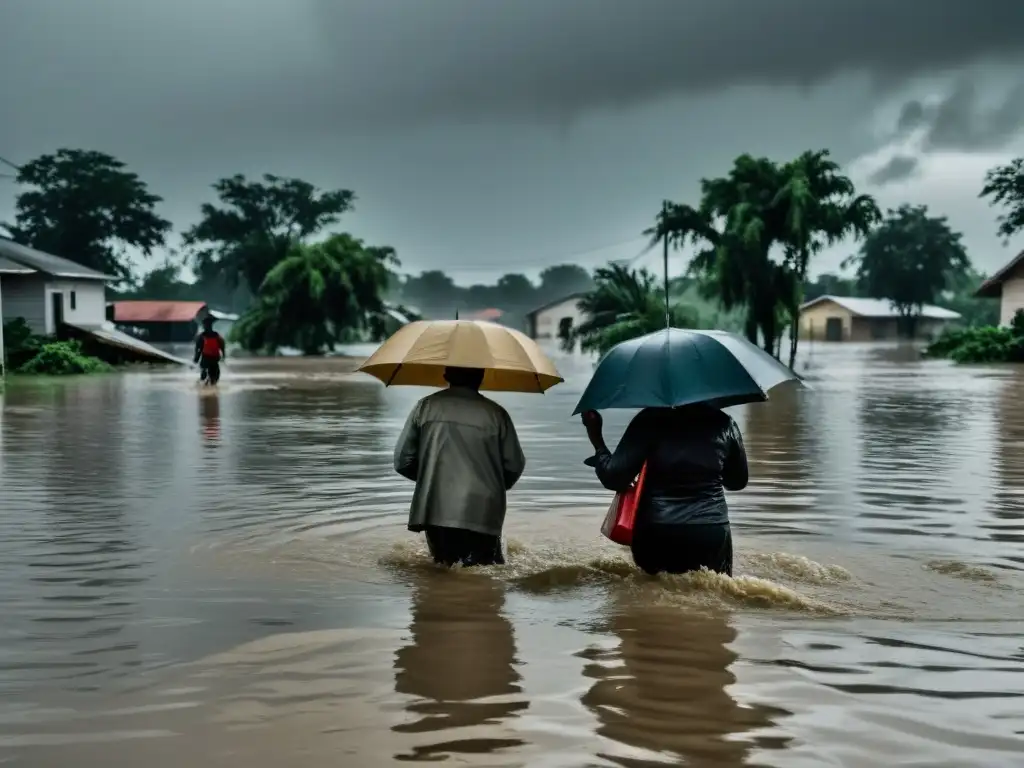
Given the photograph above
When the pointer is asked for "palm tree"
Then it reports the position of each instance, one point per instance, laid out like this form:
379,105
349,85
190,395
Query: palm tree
623,304
756,208
318,295
819,206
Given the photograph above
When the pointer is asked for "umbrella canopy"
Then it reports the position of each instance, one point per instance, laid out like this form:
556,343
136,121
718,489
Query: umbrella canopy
417,354
678,367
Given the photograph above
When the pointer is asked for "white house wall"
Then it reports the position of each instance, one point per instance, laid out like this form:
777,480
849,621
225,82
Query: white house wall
90,302
1013,299
25,297
547,320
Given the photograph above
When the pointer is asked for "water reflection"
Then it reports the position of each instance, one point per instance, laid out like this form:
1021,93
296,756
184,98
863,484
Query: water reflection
460,666
209,417
1007,503
663,690
777,436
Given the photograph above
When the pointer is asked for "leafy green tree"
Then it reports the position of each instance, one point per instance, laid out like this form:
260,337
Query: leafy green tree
433,291
317,296
516,291
960,297
910,259
623,304
1004,186
829,284
258,223
759,207
819,206
562,280
85,206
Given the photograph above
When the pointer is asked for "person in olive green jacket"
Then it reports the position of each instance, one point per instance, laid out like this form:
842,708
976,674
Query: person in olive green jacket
462,451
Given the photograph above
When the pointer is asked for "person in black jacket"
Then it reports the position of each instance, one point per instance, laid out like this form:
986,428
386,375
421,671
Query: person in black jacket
693,453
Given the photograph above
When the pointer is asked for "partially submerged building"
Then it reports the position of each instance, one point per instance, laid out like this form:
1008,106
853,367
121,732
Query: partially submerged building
1007,285
60,298
847,318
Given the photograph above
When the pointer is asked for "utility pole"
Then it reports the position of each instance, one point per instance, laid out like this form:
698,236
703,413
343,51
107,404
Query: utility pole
664,243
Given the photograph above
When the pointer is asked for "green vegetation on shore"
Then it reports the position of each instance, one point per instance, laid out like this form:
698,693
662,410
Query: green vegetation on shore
27,353
985,344
269,248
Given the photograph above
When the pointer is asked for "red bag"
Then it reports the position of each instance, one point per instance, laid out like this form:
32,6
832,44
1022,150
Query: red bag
621,517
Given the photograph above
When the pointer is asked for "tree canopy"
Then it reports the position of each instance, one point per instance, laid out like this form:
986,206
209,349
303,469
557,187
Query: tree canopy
317,295
1004,186
258,223
756,229
910,259
86,206
623,304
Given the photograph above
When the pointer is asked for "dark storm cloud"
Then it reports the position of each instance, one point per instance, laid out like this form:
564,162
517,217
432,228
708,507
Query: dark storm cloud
961,121
556,57
342,63
899,168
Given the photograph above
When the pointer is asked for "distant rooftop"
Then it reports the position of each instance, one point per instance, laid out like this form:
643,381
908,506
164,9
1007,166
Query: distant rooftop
156,311
880,308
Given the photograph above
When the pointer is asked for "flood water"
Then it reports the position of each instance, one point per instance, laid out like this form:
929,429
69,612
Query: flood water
214,579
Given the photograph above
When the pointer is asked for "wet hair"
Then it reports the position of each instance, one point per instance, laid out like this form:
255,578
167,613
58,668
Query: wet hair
464,377
208,322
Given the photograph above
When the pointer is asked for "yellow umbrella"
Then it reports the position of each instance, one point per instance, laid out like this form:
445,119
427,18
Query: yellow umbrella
417,354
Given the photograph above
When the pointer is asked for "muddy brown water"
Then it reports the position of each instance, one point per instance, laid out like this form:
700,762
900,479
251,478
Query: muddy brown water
224,578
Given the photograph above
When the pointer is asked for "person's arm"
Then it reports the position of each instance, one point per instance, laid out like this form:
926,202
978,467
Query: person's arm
513,461
735,473
407,449
199,349
618,470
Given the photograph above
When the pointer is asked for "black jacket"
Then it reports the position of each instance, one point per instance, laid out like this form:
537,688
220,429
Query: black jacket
692,453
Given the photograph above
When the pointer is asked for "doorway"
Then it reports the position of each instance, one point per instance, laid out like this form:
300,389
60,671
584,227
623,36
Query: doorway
57,302
834,329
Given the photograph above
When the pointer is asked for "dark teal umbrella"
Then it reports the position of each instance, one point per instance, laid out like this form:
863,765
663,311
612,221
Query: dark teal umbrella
678,367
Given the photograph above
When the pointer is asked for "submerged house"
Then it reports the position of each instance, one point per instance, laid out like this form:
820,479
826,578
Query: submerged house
555,319
845,318
49,291
58,297
1007,285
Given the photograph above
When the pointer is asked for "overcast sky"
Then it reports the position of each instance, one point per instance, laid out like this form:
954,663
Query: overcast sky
486,136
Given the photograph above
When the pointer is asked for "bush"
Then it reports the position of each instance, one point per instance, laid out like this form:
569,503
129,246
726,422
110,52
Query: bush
63,358
20,344
987,344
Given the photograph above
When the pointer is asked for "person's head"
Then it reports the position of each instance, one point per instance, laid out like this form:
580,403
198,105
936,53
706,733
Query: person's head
471,378
208,323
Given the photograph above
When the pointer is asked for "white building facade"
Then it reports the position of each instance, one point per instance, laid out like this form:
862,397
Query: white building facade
555,320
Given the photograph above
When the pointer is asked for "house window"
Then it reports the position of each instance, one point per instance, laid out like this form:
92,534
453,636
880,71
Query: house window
73,301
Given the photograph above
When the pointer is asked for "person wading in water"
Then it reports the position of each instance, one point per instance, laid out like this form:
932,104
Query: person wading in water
210,351
462,451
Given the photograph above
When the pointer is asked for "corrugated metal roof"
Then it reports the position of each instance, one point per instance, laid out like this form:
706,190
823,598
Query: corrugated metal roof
47,262
110,335
157,311
880,307
8,267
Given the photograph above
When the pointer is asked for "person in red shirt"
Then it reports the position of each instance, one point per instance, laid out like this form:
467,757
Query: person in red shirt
210,350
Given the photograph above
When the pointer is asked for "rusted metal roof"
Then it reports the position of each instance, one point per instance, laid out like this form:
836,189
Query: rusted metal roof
157,311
